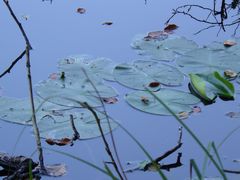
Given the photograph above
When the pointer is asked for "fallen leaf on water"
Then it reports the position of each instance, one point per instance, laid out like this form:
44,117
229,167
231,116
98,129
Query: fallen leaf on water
233,114
154,84
53,76
145,100
81,10
183,115
170,27
196,109
229,43
230,73
59,142
156,35
110,100
236,160
54,170
108,23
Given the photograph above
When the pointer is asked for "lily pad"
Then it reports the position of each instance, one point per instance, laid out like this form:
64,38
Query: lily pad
233,49
60,90
60,127
178,101
142,73
203,60
53,120
99,68
163,49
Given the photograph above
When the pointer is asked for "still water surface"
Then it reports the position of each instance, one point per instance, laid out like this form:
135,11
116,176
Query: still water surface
57,31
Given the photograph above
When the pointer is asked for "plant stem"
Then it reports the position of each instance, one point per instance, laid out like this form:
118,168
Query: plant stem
34,121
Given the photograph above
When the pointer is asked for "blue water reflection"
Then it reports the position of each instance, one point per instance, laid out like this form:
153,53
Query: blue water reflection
56,31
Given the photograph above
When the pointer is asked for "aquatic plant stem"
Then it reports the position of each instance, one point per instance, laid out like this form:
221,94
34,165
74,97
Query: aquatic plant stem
109,125
107,148
191,133
28,66
34,120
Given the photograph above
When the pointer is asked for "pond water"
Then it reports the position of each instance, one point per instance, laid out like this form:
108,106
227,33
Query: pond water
57,31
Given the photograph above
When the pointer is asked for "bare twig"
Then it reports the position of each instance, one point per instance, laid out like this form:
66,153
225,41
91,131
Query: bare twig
107,148
231,171
166,154
76,134
28,66
13,64
108,121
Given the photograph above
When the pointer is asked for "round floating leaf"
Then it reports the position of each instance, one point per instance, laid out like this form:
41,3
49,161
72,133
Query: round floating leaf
163,49
62,90
147,73
19,110
99,68
178,101
233,49
206,61
53,120
58,127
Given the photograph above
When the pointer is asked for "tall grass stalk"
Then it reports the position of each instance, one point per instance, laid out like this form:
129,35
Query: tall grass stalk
193,165
190,132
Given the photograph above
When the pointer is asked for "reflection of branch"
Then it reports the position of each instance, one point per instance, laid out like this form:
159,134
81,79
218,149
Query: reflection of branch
231,171
13,63
76,134
107,148
166,154
218,17
18,23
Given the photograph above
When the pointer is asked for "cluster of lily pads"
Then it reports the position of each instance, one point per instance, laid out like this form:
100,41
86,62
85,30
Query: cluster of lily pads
164,63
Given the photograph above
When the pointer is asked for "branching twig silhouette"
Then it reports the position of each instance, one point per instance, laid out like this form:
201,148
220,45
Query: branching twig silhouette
28,66
221,18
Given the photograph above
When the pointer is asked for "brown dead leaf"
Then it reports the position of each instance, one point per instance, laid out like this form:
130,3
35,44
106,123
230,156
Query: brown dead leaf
81,10
110,100
154,84
108,23
170,27
230,73
59,142
196,109
156,35
229,43
53,76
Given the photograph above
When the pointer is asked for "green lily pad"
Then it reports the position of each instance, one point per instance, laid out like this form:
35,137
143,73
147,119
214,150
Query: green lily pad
53,120
163,49
209,86
60,90
142,73
99,68
219,46
206,61
178,101
58,127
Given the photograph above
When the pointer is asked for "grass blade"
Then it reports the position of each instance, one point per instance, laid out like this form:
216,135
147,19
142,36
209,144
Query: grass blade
196,169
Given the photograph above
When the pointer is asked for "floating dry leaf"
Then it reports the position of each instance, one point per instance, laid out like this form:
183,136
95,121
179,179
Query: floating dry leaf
53,76
170,27
229,43
230,74
59,142
154,84
81,10
110,100
156,35
183,115
108,23
196,109
55,170
233,114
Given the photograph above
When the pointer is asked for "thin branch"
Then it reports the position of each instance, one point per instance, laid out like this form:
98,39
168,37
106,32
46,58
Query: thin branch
13,64
18,23
76,134
108,121
231,171
107,148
